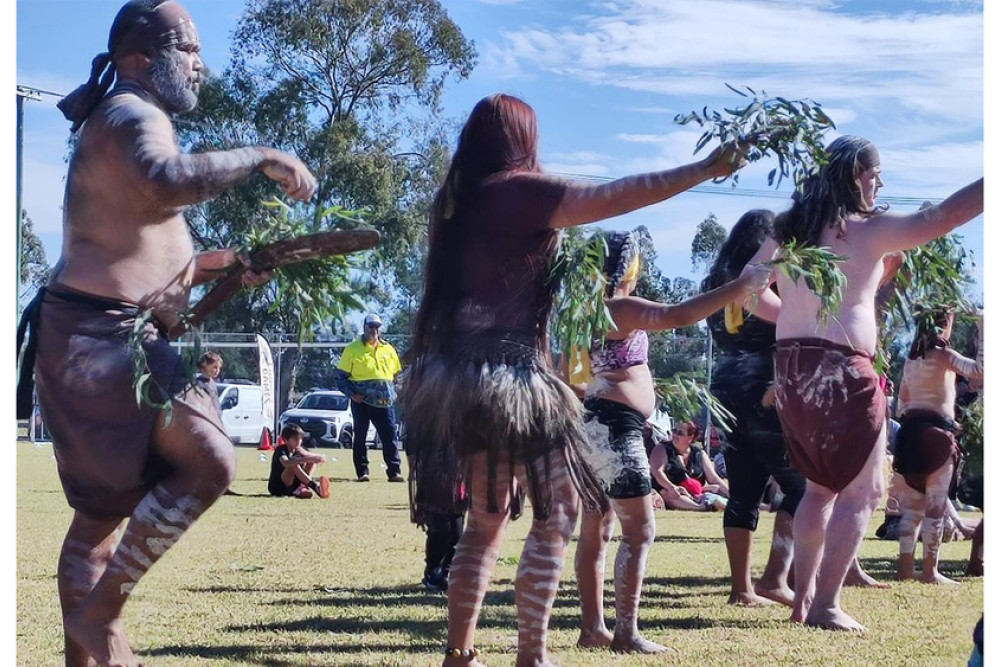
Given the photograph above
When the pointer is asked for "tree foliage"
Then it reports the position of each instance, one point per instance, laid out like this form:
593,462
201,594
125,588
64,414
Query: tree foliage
708,239
934,276
353,88
35,268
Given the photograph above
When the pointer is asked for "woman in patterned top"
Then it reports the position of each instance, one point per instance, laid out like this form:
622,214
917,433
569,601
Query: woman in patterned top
619,399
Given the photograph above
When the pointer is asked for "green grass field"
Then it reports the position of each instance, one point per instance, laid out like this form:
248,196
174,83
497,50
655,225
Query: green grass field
286,582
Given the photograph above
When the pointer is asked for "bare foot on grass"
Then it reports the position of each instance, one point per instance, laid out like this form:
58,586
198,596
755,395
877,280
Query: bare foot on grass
937,578
595,638
861,579
833,619
747,599
639,644
104,640
780,594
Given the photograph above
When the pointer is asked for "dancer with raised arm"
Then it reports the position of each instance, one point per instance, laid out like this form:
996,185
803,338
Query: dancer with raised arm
619,399
831,407
755,449
927,455
482,403
126,250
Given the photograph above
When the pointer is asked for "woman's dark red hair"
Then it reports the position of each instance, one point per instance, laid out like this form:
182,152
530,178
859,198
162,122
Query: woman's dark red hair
501,135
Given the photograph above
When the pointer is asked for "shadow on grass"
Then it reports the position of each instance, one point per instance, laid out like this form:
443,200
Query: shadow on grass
266,655
685,582
362,612
884,569
687,539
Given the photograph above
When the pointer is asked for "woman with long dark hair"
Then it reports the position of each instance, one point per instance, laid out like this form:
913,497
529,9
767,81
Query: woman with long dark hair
927,455
755,448
618,400
483,406
831,406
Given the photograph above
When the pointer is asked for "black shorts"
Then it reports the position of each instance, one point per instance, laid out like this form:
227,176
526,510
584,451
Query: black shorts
755,451
277,488
615,449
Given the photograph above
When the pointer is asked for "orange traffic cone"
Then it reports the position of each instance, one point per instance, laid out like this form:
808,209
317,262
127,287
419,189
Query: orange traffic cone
265,440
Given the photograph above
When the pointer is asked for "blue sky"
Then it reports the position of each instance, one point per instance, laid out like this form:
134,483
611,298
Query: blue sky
607,77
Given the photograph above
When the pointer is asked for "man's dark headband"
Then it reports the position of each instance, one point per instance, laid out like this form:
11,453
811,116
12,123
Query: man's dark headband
167,24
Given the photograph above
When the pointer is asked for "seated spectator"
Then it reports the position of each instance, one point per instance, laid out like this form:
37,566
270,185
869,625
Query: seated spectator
292,466
672,486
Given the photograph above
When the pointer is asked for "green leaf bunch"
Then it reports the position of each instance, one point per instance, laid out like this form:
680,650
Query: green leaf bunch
318,290
818,267
685,399
789,130
932,278
147,390
581,315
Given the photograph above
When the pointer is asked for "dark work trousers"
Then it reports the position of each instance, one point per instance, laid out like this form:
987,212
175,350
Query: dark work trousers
385,425
443,533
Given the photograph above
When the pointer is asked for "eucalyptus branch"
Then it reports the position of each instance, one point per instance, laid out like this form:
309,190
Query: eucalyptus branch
318,290
789,130
581,314
818,267
684,399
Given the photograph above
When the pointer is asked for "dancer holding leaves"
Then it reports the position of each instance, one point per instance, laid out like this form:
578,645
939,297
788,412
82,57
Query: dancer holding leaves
619,398
127,268
483,404
831,407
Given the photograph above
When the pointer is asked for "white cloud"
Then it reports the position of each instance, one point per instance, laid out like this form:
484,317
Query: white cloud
927,63
931,171
583,163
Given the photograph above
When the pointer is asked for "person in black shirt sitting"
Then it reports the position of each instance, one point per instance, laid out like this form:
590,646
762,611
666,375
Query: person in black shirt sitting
292,466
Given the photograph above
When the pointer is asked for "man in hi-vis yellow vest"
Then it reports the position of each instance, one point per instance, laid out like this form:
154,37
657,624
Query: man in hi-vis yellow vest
365,373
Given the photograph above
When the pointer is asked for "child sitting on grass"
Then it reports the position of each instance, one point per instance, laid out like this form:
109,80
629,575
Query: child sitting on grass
292,466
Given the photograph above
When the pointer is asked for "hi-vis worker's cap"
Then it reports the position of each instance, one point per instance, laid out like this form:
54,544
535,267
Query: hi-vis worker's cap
372,318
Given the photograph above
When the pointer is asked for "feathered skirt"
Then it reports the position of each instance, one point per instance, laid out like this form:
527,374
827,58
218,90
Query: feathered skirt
493,394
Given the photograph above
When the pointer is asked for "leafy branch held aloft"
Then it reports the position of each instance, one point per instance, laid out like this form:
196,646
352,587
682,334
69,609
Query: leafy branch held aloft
789,130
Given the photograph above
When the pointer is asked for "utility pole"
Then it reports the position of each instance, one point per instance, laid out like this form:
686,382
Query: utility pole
23,93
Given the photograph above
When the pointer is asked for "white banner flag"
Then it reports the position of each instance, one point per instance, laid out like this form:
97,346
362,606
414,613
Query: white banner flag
266,380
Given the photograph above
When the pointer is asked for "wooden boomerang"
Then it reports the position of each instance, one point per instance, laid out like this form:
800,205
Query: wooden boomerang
273,256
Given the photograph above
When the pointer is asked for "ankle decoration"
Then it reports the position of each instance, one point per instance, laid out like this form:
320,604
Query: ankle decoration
454,652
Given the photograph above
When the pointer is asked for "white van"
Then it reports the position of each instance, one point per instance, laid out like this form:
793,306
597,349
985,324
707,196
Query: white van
242,411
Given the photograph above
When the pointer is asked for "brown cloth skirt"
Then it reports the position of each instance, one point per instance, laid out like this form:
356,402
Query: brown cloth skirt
831,408
101,436
925,442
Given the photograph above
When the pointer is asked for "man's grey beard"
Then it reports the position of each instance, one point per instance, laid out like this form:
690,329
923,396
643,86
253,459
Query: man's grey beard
175,90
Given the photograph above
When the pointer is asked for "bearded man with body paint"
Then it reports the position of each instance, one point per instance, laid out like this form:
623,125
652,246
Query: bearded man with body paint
830,404
127,250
